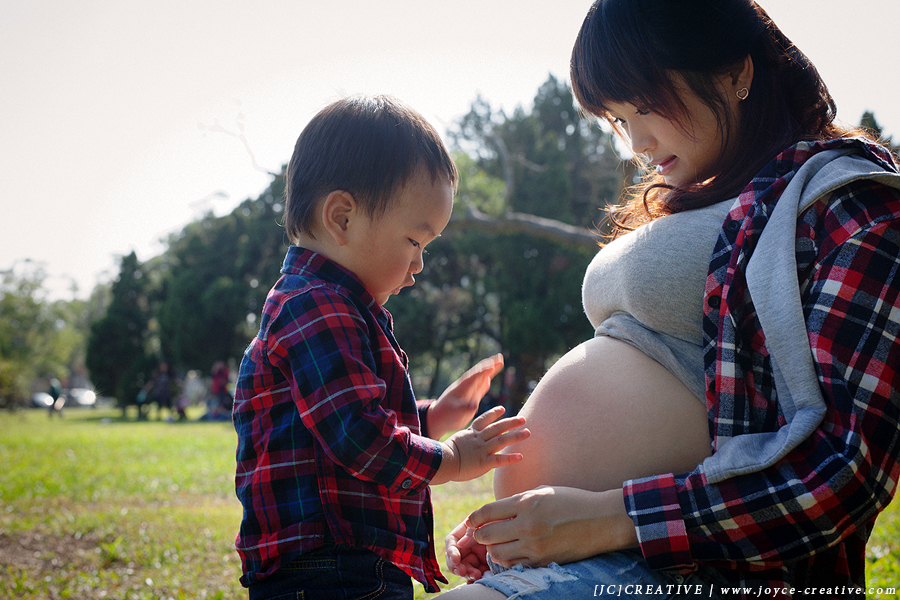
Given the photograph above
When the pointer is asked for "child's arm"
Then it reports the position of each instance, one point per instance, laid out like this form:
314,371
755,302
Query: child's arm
472,452
459,402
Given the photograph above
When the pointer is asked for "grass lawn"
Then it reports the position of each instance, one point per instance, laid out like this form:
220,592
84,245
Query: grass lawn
93,506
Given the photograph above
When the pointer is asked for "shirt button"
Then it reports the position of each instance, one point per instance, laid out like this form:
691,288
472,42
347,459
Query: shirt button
407,483
714,301
733,226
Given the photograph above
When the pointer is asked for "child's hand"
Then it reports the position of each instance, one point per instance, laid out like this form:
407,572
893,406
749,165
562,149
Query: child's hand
459,402
472,452
464,556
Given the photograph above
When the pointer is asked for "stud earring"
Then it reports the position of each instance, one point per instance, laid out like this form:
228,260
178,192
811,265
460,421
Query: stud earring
742,93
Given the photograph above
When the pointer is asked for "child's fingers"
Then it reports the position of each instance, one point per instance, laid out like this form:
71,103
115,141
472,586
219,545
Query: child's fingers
498,443
487,418
502,460
500,427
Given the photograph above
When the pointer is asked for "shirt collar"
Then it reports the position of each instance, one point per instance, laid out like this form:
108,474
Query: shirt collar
772,179
307,263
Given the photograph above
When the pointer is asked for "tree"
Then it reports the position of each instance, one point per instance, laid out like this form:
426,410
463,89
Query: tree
215,276
117,352
446,321
529,240
39,338
869,123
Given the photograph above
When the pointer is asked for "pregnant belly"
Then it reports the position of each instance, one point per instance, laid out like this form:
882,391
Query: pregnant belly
603,414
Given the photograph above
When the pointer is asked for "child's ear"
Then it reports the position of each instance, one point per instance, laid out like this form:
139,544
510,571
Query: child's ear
337,210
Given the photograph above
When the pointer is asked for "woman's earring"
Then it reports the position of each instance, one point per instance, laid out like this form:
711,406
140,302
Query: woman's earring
742,93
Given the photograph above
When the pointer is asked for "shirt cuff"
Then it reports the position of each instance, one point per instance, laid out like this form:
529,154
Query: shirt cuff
652,503
423,462
422,407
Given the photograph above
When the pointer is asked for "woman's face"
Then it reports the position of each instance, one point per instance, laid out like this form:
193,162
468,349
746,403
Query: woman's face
682,151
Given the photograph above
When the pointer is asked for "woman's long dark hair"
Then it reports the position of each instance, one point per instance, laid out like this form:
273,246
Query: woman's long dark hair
631,51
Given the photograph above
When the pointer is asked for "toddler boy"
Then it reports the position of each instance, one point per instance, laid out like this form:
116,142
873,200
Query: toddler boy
333,465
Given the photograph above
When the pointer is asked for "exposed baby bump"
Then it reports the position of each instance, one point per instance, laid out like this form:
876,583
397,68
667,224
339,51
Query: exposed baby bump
603,414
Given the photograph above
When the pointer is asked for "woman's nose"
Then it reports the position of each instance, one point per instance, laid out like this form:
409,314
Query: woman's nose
641,141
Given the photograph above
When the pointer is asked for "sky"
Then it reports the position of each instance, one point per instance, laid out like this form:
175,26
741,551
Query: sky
124,120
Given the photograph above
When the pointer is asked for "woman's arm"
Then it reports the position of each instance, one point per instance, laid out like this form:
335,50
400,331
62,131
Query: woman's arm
832,486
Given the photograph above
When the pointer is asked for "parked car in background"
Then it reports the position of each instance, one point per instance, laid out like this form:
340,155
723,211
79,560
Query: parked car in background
41,400
74,397
81,397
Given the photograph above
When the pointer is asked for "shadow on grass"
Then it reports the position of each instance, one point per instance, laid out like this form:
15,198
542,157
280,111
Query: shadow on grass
130,416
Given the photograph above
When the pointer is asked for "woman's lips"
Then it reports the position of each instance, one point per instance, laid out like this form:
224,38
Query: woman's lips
664,167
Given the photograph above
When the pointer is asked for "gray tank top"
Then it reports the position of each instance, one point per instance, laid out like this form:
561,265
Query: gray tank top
646,288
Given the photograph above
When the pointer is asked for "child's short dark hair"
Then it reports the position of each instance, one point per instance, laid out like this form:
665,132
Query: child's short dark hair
367,146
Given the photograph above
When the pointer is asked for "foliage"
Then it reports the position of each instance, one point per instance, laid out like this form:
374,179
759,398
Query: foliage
870,124
117,353
39,338
552,164
216,275
555,163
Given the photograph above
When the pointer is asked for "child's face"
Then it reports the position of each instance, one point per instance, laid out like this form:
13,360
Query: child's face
388,249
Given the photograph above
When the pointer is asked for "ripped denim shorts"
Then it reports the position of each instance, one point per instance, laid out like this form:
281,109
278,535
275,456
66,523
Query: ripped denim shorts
615,575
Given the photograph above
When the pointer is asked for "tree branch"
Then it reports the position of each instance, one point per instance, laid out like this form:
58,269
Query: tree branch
514,222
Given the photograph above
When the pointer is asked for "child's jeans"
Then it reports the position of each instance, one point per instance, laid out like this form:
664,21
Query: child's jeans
335,573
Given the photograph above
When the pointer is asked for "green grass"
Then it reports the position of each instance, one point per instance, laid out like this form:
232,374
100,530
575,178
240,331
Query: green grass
93,506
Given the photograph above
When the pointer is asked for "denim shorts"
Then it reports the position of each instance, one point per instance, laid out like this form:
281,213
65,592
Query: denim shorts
335,573
615,575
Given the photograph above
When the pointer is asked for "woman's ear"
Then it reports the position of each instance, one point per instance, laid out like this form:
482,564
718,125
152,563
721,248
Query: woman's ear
742,74
337,210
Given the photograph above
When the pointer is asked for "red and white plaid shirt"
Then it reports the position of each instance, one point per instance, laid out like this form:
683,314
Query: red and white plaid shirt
328,429
804,521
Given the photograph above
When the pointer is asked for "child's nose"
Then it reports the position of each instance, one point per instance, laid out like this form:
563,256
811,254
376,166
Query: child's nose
417,265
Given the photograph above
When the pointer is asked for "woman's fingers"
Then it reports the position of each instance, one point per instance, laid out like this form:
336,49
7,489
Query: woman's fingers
498,510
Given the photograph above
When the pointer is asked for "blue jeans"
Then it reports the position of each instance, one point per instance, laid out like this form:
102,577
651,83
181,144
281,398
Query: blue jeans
335,573
615,575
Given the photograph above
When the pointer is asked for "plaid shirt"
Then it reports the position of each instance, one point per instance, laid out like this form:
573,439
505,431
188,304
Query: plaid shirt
328,429
804,521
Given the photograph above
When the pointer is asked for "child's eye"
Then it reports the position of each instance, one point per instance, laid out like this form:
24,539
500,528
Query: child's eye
618,121
414,243
642,111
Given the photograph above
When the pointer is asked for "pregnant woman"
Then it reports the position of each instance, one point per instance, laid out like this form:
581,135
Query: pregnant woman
734,421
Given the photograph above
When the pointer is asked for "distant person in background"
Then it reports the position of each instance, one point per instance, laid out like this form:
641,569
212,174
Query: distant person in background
220,401
161,391
59,399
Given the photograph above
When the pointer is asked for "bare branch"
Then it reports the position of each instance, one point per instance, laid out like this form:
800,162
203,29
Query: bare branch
514,222
217,128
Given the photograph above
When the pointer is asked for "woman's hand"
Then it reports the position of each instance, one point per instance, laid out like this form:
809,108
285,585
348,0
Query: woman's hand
459,402
544,525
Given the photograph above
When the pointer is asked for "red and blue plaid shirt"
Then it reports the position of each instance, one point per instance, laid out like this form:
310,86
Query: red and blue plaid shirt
328,429
804,521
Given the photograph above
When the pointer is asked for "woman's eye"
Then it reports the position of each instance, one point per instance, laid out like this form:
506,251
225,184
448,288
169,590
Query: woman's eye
618,121
642,111
414,242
